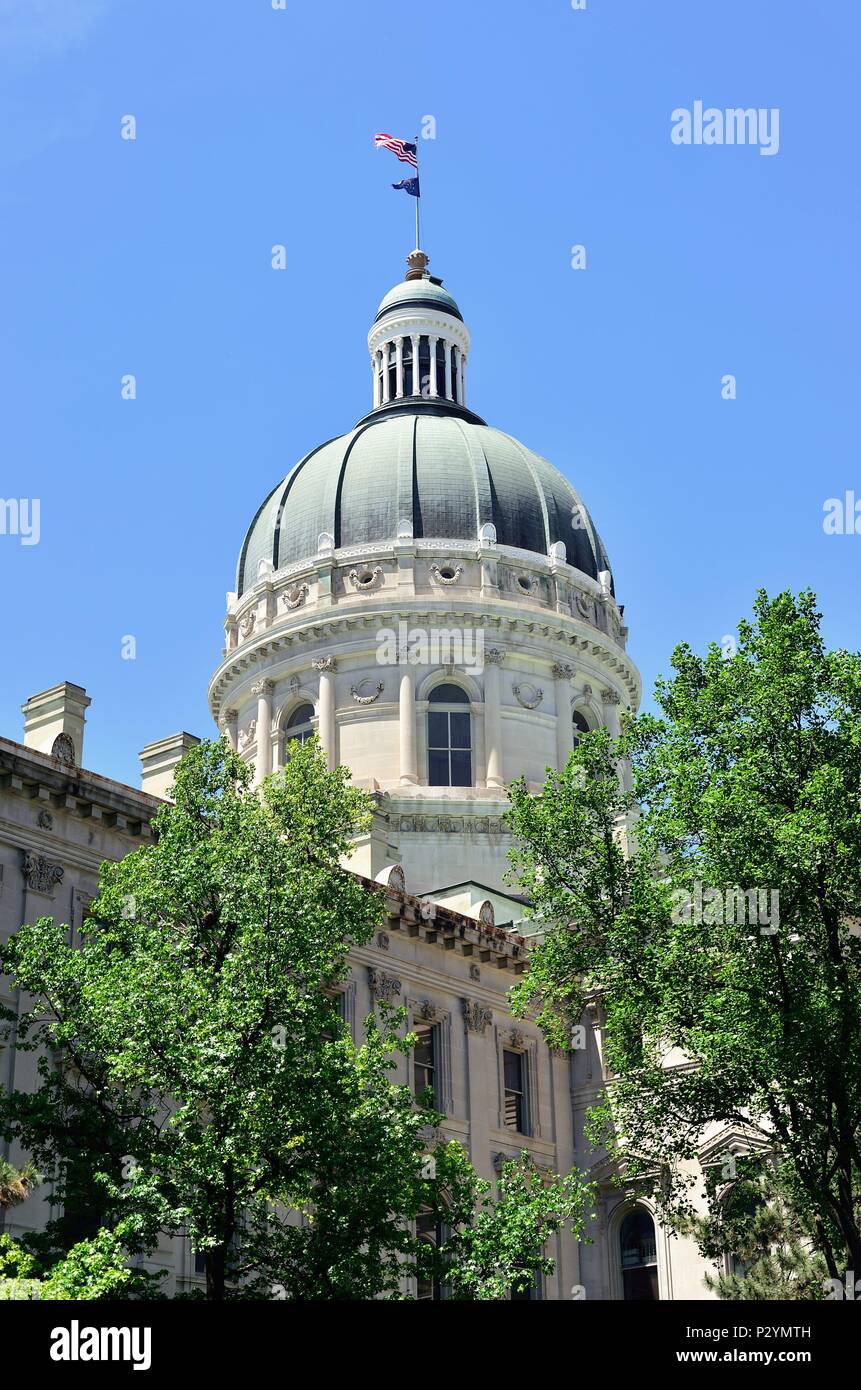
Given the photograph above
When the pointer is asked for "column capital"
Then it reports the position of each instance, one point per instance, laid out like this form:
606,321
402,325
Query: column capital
495,655
610,697
325,664
263,687
562,671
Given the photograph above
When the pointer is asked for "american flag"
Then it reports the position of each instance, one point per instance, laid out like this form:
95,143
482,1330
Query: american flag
402,148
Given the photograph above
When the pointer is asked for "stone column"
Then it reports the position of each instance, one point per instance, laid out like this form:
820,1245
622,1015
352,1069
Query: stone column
564,723
434,389
448,385
384,352
457,383
610,700
407,726
263,766
375,367
415,339
327,666
493,659
399,367
228,726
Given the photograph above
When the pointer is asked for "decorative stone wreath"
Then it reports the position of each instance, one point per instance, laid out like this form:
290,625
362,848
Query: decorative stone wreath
295,597
366,579
446,574
529,696
360,699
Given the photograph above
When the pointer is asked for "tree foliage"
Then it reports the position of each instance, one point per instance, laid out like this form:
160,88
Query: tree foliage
197,1082
749,778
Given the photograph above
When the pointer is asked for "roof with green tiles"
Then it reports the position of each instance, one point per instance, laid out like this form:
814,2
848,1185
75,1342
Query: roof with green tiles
445,473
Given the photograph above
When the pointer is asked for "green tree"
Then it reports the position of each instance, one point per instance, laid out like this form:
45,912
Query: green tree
761,1250
16,1184
749,779
195,1074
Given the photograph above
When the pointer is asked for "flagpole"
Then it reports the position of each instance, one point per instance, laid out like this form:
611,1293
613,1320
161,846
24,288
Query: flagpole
418,199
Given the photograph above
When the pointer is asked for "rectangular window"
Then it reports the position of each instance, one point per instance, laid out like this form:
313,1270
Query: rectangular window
338,1004
515,1092
425,1060
449,749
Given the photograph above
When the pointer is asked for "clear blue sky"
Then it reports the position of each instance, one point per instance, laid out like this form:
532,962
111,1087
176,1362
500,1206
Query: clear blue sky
254,127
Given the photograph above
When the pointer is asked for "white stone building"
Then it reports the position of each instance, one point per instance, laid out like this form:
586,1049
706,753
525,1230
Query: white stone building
433,599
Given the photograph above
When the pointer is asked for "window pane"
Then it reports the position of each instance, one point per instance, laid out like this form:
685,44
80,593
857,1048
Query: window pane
513,1062
459,730
461,770
437,729
580,726
424,1058
303,715
448,695
438,773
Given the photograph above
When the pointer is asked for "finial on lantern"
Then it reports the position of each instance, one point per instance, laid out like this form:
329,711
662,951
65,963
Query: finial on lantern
418,263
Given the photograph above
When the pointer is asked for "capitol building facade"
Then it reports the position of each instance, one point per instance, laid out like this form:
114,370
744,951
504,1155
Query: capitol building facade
433,600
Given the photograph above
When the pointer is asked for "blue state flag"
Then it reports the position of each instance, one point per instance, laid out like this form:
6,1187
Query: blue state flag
409,186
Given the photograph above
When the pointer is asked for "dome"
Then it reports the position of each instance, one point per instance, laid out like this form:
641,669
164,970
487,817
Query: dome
438,467
420,294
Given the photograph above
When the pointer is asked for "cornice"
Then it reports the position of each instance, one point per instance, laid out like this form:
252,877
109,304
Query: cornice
254,657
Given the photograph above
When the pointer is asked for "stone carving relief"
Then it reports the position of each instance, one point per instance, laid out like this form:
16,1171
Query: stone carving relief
384,988
361,694
295,597
46,820
63,749
585,606
366,579
446,574
247,623
468,825
40,875
476,1017
247,735
529,696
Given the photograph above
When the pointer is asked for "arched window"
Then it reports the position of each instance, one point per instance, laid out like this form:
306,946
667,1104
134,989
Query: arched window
299,726
449,737
638,1250
580,726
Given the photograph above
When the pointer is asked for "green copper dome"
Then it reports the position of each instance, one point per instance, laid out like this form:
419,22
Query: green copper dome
442,469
